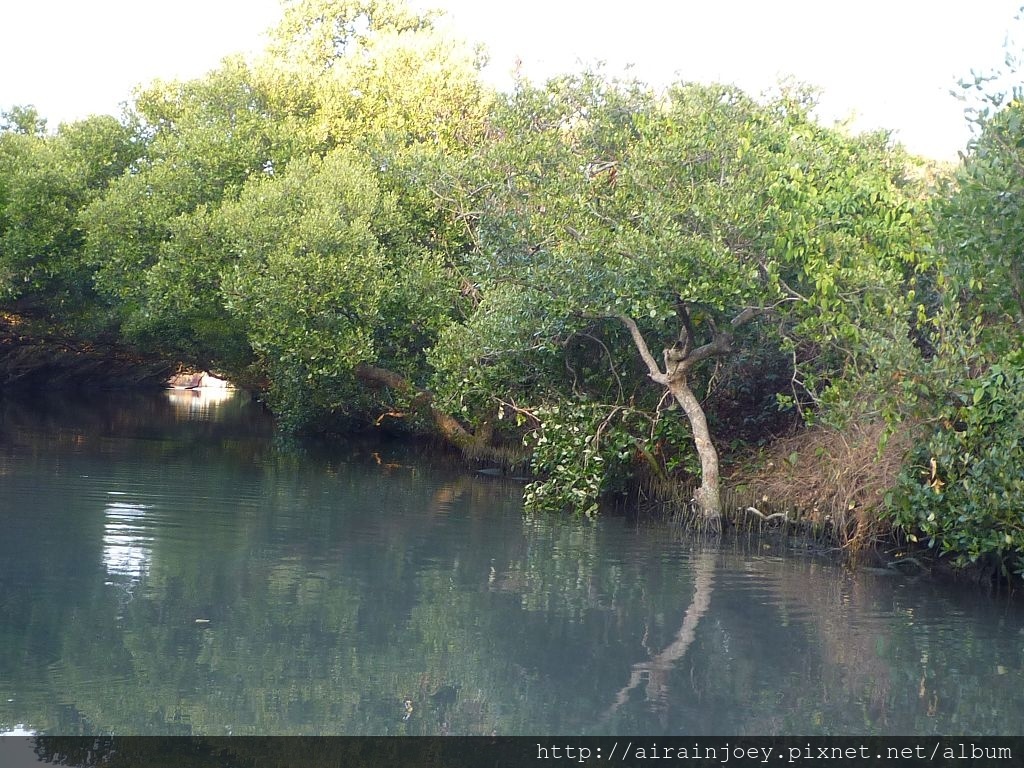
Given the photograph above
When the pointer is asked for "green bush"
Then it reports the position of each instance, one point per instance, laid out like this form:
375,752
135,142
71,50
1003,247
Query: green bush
584,453
963,492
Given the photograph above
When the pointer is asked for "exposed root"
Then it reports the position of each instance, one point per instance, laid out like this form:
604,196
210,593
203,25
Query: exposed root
784,516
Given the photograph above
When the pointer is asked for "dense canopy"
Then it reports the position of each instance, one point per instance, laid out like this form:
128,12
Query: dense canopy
620,286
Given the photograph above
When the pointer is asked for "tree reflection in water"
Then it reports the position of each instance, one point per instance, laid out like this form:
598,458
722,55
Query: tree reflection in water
187,577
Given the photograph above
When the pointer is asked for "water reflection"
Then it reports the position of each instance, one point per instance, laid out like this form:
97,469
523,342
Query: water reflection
653,672
367,591
201,403
18,730
127,547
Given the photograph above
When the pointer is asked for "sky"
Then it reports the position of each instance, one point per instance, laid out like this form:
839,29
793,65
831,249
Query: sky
885,63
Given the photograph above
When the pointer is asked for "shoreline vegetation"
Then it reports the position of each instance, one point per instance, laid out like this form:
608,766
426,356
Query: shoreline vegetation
830,507
692,297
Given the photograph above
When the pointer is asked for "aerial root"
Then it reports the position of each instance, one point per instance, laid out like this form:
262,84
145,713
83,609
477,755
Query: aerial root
784,516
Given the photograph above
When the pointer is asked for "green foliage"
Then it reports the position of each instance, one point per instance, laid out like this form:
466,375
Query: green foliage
47,181
24,119
628,202
310,275
380,75
962,491
494,353
320,33
207,137
281,208
302,224
565,455
981,227
585,452
595,200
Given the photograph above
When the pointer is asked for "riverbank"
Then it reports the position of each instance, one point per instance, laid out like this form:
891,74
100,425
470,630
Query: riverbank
826,479
831,487
34,357
824,490
818,486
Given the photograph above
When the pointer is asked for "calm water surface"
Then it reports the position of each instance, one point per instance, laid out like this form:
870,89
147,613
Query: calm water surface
164,569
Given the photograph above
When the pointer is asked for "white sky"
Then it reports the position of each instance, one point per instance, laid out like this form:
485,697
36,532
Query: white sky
891,63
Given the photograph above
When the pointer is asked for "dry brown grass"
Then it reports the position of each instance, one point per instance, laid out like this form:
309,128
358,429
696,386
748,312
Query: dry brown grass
835,480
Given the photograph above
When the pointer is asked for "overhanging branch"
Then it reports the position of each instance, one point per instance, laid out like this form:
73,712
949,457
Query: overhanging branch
749,314
420,399
645,352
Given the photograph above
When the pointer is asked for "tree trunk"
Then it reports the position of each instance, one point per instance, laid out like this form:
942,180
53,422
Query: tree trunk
707,497
447,426
679,360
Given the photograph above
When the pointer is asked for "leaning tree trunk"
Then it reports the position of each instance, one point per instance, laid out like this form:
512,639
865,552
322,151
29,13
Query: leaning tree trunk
707,497
680,359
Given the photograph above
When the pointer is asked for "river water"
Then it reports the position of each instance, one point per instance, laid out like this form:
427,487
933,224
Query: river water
166,568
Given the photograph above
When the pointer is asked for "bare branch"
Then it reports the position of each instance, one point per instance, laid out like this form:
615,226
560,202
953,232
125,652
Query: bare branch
421,399
793,294
645,352
686,334
749,314
510,404
720,344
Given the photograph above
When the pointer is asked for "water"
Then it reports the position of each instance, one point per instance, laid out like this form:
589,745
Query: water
165,569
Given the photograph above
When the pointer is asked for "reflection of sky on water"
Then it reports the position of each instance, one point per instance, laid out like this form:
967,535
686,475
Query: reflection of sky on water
18,730
198,404
126,545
